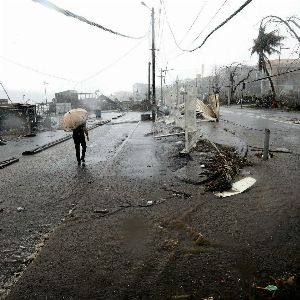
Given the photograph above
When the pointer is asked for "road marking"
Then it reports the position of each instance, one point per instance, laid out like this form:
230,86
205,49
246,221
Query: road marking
263,116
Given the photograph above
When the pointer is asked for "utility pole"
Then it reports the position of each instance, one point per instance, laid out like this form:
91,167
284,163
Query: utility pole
177,91
161,85
161,82
154,107
149,87
45,83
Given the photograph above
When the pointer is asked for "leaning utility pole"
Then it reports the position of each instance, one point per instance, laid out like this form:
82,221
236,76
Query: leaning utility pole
154,107
5,92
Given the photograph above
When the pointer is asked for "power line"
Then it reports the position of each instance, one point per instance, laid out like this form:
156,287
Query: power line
67,13
213,17
35,70
222,24
199,13
213,31
275,75
271,76
172,33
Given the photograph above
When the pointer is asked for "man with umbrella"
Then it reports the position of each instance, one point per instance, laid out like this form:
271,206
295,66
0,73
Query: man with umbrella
79,139
75,120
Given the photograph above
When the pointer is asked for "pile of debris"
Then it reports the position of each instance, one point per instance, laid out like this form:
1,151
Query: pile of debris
222,167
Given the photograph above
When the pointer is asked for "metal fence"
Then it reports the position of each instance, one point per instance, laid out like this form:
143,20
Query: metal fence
181,105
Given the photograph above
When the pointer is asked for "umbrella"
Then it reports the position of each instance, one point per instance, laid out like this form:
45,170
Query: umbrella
74,118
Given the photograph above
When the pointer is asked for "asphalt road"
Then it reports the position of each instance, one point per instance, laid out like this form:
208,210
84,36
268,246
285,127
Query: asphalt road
284,132
38,192
140,251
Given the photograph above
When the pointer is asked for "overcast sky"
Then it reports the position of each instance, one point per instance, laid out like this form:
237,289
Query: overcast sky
89,59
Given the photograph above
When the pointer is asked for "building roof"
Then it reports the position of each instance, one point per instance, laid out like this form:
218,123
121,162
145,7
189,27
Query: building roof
285,62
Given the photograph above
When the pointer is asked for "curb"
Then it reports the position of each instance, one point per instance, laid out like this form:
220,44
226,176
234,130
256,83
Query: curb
46,146
8,162
13,160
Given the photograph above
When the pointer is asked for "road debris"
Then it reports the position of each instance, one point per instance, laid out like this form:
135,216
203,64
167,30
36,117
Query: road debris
222,166
101,211
237,187
270,288
276,150
210,111
281,150
169,244
183,297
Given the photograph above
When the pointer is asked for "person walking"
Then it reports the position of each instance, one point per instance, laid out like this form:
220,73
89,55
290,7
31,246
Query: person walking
79,139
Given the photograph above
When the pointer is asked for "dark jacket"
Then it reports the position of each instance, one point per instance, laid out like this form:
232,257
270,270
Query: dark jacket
78,133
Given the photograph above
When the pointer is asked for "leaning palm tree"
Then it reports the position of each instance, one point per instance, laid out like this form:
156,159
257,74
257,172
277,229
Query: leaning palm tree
266,43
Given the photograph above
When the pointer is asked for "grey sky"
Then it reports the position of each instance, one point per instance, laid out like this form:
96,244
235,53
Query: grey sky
52,43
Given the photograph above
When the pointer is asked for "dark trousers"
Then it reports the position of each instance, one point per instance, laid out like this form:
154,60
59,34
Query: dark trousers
77,143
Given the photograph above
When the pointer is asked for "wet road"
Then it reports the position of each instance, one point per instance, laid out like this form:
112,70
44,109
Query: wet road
251,123
38,192
15,147
89,256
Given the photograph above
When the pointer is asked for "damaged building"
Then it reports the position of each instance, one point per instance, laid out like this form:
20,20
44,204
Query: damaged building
66,100
17,118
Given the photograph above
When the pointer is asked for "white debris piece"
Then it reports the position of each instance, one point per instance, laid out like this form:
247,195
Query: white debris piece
211,111
237,187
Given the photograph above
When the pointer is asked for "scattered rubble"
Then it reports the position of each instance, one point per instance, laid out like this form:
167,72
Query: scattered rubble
221,167
101,211
237,187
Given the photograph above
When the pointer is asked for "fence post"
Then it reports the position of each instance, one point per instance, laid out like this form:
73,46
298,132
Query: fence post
266,144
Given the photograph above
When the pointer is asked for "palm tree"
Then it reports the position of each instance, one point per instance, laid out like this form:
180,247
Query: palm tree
266,43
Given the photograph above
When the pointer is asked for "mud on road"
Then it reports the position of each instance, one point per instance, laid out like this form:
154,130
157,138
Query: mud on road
160,237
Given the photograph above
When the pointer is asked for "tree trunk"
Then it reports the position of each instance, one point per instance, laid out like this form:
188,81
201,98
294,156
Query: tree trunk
270,80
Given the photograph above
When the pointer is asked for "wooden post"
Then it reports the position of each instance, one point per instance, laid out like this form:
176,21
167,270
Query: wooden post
266,144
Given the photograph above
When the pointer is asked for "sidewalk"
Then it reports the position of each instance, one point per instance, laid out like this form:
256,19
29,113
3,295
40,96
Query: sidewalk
163,239
15,147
